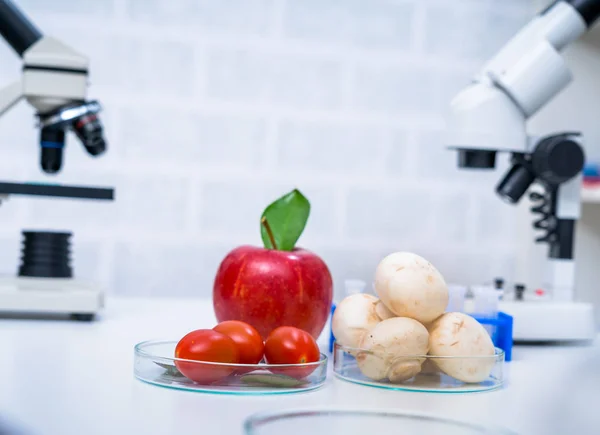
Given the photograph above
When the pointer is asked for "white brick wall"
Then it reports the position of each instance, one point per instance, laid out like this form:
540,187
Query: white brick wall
268,78
214,108
370,24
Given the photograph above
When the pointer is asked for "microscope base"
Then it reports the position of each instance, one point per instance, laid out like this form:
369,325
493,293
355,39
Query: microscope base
35,297
547,321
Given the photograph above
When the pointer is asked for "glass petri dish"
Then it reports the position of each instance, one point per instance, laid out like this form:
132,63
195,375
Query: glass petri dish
154,363
360,422
431,378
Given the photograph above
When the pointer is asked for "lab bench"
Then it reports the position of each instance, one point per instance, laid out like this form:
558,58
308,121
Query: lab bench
64,377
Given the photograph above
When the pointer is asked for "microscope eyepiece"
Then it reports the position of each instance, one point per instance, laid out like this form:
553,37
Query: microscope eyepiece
476,159
52,142
89,131
16,28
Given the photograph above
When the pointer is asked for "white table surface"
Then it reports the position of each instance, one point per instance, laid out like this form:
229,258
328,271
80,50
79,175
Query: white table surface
62,377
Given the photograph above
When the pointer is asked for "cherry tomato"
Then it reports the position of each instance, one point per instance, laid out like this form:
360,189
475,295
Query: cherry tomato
206,345
248,340
289,345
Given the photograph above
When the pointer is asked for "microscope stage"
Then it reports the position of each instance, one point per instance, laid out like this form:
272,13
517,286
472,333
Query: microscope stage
548,321
56,190
21,296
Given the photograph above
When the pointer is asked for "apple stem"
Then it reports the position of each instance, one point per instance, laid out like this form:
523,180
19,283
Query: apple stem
265,223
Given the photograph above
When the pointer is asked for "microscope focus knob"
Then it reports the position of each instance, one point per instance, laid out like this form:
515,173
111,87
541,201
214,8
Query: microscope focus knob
557,159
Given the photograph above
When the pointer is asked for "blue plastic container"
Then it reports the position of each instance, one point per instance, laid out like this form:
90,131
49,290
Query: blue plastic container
591,170
331,337
501,332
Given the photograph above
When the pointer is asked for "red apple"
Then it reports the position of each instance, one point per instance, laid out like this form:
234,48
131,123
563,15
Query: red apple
268,288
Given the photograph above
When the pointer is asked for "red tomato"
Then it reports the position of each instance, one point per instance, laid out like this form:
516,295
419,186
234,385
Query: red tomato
249,342
289,345
206,345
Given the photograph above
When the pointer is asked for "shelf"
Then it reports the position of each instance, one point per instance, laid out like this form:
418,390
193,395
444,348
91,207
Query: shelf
590,195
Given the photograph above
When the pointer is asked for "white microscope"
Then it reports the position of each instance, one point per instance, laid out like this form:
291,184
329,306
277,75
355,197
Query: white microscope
54,82
489,116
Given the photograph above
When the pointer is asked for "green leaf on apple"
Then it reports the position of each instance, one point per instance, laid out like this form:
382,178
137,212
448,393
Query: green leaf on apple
283,221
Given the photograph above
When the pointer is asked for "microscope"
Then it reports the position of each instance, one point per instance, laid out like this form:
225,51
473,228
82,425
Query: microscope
54,82
489,116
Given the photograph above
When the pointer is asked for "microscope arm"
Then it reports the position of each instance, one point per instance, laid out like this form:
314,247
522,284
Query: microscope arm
10,95
528,72
54,81
21,34
559,274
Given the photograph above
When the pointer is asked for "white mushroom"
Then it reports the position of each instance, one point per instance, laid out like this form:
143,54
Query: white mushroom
355,316
460,335
411,287
429,368
389,350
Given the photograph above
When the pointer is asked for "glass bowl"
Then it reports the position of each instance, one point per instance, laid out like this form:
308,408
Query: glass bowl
431,378
155,364
360,422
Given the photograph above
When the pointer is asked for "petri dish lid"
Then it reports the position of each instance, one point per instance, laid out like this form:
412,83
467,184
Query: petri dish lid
355,422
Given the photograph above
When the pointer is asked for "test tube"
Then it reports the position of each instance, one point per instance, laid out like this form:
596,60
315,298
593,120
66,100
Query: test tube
354,286
456,298
499,286
486,300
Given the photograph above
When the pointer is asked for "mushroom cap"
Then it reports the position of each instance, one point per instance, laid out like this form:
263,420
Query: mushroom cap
411,286
355,316
393,349
460,335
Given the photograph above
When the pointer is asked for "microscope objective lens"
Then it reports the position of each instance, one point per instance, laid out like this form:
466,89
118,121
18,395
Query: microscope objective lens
52,141
89,131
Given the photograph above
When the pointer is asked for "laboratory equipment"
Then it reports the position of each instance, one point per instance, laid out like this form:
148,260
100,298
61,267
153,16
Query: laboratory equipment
55,191
489,116
519,292
483,306
359,422
154,363
429,380
45,282
456,298
54,82
485,300
499,286
501,331
591,174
